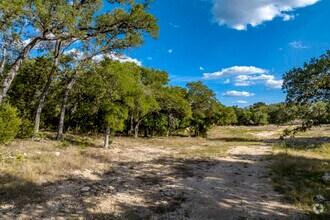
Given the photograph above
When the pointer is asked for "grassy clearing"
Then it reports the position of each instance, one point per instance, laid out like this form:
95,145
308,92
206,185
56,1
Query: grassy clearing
298,166
27,166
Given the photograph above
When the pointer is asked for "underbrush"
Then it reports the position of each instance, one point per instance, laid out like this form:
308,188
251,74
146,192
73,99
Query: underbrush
297,170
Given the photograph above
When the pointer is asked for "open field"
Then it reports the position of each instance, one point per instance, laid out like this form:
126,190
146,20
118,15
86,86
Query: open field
236,173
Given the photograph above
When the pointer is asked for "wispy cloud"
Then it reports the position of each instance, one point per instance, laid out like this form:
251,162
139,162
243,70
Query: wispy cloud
119,57
235,70
235,93
298,45
241,102
170,51
275,84
268,80
201,68
238,14
174,25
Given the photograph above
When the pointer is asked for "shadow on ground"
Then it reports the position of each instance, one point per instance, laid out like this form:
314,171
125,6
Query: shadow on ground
160,188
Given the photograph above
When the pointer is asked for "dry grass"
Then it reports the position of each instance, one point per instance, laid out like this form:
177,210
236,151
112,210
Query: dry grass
298,166
27,166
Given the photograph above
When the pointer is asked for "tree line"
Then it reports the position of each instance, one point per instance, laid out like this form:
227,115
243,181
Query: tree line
114,97
58,72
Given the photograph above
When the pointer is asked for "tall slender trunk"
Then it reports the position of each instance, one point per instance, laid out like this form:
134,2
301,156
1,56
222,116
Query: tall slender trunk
131,129
15,67
3,61
107,137
169,123
64,102
47,86
136,130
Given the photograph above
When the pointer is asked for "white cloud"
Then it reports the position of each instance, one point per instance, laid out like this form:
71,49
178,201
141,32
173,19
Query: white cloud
26,42
275,84
149,58
297,45
241,102
170,51
77,53
201,68
238,14
235,93
174,25
227,81
119,57
268,80
235,70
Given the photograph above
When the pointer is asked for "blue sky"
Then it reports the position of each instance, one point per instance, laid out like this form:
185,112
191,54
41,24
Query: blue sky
238,48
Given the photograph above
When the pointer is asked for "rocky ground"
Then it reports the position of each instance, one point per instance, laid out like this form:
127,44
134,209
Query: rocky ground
149,181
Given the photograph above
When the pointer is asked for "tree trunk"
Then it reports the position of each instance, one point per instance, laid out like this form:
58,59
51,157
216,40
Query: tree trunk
47,86
131,125
107,137
3,61
15,67
168,125
136,130
65,100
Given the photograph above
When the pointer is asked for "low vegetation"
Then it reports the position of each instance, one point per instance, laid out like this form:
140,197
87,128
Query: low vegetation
29,167
298,165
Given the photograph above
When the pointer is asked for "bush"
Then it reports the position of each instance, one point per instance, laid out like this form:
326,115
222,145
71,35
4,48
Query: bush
9,123
26,129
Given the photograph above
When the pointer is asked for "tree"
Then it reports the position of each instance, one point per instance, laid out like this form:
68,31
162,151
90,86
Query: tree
308,88
310,83
204,107
119,84
26,89
57,52
226,116
259,113
43,21
113,32
174,106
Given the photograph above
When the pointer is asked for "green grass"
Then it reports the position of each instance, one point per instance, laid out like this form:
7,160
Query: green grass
297,173
204,152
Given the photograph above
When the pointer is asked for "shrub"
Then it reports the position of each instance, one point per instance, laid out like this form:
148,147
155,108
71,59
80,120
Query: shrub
26,129
9,123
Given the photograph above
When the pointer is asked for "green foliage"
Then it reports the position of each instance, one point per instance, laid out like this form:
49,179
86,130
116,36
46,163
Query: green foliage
310,83
226,116
64,143
9,123
19,157
40,135
204,107
280,113
259,114
26,129
308,88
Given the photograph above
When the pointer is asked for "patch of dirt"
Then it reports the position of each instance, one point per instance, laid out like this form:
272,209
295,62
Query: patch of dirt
264,134
148,182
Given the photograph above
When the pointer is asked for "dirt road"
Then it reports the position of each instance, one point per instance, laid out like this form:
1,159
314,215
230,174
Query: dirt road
148,181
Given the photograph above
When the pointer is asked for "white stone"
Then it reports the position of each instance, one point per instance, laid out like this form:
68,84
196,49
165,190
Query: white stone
85,189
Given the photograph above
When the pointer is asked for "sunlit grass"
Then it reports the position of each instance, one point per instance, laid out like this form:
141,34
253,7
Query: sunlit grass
297,170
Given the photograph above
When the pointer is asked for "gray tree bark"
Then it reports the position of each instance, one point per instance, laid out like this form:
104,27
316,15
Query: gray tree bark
136,130
64,102
47,86
107,137
15,67
4,60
